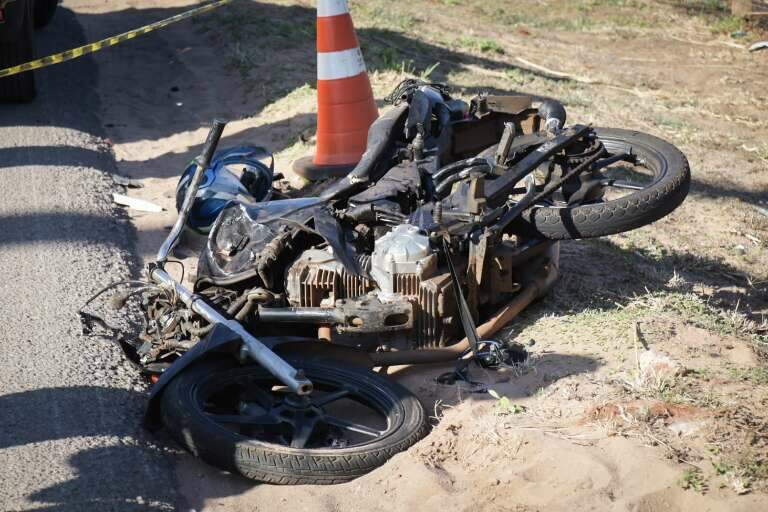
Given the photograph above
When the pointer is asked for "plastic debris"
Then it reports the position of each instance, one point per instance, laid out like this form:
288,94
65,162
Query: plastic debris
136,204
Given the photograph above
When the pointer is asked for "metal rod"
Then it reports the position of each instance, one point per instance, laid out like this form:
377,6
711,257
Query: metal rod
497,190
273,363
322,316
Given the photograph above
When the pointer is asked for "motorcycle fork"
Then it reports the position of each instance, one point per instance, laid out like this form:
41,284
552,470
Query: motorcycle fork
294,379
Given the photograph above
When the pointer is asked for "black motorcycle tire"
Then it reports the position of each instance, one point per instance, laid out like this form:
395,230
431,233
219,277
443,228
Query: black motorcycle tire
44,11
276,463
629,212
14,50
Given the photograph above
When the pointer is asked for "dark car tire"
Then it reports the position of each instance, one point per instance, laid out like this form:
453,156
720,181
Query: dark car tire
185,420
667,192
44,11
18,50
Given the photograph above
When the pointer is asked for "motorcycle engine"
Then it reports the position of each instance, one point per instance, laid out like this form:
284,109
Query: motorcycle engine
403,267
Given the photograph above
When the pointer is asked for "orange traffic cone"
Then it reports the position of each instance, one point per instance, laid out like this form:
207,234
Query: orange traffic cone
345,106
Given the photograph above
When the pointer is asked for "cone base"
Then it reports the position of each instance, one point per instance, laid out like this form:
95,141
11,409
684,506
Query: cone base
309,170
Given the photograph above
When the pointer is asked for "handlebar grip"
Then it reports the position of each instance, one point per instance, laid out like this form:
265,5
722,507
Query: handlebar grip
211,142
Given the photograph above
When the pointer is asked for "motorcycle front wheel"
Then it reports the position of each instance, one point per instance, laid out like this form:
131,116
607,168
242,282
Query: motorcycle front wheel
635,194
241,419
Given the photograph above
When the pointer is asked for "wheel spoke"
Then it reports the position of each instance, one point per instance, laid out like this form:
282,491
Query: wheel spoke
331,397
302,432
243,419
253,393
620,184
620,157
352,427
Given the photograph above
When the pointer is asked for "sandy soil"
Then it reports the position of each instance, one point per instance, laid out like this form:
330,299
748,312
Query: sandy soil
581,426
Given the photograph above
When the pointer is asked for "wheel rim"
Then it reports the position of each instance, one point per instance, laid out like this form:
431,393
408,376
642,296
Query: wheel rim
627,176
250,403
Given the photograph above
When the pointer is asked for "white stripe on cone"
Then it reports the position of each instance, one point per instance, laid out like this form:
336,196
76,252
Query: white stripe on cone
342,64
331,8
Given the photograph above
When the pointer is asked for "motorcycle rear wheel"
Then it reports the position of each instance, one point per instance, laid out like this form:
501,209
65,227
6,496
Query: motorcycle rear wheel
240,419
665,190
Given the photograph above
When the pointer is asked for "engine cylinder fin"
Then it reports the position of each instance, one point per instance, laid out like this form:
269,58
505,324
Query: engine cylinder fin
407,284
315,278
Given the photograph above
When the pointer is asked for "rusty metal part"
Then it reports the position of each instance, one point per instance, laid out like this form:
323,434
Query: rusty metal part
324,333
316,279
502,151
359,315
537,286
476,195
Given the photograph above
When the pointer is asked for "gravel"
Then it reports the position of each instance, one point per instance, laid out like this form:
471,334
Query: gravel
70,405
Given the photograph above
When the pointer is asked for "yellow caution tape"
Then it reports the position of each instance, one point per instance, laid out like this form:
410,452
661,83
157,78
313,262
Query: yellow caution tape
110,41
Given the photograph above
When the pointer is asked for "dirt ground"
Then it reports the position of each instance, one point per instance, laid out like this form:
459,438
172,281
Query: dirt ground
588,422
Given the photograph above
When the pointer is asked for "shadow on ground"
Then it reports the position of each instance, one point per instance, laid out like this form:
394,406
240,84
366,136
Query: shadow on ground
600,274
263,28
34,417
710,190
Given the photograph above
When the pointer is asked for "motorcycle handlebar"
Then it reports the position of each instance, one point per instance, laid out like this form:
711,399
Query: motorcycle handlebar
211,142
202,162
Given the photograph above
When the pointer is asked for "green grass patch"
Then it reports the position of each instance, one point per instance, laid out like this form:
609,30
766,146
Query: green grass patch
481,45
693,479
383,14
727,24
756,375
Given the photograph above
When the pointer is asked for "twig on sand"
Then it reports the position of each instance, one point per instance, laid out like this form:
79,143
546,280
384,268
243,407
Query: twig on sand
557,432
500,74
637,352
637,336
709,43
583,79
558,74
672,450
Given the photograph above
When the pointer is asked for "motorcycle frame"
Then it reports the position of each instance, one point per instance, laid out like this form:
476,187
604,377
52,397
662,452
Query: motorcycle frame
544,269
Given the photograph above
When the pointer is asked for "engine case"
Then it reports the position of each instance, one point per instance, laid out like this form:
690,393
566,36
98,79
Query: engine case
317,279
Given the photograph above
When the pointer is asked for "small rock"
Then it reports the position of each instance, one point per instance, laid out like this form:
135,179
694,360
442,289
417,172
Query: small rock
656,366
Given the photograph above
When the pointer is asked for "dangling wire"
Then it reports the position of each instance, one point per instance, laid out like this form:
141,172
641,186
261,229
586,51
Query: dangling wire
87,320
405,89
129,282
182,268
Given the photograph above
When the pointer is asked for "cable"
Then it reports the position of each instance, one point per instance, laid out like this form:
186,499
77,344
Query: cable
132,282
182,268
404,89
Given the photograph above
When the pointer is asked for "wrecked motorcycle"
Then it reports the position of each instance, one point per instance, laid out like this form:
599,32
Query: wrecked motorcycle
446,229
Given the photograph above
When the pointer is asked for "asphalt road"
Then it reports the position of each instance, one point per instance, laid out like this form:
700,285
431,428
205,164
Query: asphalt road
70,406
